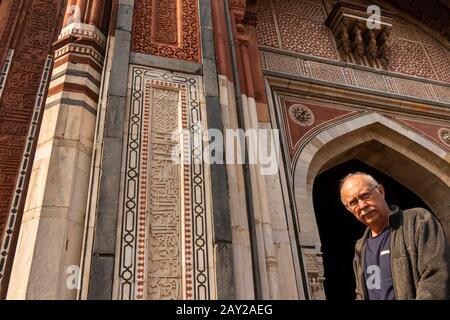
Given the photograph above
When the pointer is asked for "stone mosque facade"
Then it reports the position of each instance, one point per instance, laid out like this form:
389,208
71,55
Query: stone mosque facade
92,204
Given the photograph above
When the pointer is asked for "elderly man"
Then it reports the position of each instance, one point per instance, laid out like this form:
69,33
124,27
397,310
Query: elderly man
402,254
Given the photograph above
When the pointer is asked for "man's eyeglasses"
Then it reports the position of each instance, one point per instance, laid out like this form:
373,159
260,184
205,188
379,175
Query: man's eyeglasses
365,196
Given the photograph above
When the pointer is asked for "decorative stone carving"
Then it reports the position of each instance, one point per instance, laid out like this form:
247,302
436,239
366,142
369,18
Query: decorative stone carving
165,252
356,42
301,115
345,39
444,135
22,94
353,77
167,28
240,4
315,272
385,48
9,15
4,71
372,47
165,255
358,46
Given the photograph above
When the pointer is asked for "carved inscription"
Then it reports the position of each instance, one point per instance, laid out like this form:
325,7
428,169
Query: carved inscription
167,28
164,275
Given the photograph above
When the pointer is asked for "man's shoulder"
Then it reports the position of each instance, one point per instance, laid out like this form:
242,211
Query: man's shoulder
418,217
417,213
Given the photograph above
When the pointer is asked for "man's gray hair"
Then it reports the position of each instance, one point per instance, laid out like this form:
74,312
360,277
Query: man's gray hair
369,178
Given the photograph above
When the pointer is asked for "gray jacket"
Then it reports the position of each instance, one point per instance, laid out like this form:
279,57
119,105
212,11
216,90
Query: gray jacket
420,257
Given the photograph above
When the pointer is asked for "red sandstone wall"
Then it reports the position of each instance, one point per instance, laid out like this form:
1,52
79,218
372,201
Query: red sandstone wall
30,28
167,28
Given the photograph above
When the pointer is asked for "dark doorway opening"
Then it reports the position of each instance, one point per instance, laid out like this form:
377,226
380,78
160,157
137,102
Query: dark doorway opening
339,229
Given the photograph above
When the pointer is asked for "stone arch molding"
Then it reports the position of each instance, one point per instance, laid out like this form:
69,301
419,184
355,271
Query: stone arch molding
417,163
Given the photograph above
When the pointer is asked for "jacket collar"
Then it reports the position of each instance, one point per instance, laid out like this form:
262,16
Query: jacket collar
394,217
394,221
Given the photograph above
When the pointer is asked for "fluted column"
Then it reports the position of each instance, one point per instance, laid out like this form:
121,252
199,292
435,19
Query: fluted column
54,215
277,277
96,13
70,12
82,6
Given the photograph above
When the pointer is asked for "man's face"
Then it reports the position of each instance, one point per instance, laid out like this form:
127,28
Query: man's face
365,201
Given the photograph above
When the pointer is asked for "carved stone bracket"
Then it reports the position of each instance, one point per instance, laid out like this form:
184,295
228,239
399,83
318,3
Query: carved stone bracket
238,9
357,43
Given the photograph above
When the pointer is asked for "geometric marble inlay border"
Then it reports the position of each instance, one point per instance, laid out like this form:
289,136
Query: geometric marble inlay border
164,250
5,70
387,82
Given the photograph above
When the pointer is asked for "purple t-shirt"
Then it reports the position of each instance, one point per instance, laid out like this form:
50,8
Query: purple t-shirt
377,267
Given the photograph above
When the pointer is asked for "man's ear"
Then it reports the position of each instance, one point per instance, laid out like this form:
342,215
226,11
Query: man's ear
381,189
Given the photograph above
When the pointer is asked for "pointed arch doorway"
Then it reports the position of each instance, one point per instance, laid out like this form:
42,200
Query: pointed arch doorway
338,228
407,157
